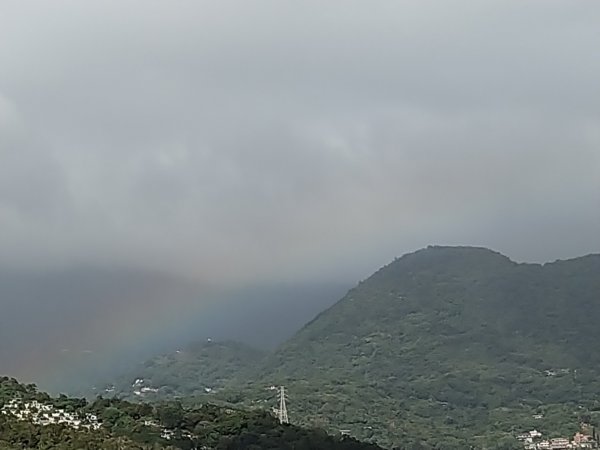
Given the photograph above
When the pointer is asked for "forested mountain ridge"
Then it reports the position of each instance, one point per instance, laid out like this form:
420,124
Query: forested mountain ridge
448,339
447,347
473,299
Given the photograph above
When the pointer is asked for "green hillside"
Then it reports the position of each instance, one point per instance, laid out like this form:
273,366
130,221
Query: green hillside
30,419
199,368
459,346
447,347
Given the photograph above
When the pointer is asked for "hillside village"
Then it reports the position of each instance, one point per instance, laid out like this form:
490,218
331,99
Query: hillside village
44,414
534,440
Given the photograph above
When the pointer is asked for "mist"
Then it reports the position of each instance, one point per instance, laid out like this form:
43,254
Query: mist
188,155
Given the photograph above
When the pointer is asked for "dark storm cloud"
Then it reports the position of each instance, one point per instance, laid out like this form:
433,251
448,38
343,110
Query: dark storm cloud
238,141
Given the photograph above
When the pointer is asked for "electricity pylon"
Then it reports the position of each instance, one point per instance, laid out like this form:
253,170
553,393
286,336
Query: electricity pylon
282,411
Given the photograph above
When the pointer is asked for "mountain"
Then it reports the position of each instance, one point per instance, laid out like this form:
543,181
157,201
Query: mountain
447,347
34,420
449,343
202,367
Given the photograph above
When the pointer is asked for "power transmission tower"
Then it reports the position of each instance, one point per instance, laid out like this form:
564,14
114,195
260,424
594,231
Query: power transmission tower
282,411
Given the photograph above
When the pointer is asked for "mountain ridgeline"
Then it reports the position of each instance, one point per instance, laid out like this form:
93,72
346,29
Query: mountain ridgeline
447,347
445,307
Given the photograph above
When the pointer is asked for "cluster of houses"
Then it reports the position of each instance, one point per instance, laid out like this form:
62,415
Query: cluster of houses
144,390
43,414
533,440
165,433
139,388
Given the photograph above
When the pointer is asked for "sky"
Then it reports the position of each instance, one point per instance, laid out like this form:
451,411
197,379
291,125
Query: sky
236,141
245,143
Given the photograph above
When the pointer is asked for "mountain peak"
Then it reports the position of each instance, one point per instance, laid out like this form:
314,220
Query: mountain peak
444,253
456,260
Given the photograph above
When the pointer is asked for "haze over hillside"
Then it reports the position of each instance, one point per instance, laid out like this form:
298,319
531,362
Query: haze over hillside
67,329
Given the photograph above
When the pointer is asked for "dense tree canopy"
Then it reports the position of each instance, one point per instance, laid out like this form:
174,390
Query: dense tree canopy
140,426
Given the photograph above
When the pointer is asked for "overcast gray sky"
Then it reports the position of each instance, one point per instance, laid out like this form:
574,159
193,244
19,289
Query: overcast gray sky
247,141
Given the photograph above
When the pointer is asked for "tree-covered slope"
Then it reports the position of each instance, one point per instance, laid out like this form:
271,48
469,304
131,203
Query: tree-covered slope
447,347
448,343
443,306
108,424
202,367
